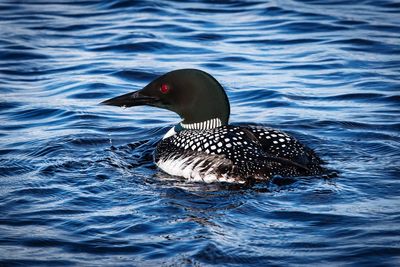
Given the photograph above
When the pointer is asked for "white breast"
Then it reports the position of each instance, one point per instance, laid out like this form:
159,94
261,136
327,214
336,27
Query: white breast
170,133
197,168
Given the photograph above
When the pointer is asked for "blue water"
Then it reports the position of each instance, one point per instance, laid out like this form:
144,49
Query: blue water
77,182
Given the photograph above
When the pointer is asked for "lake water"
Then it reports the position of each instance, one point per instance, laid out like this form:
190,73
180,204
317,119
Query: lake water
78,185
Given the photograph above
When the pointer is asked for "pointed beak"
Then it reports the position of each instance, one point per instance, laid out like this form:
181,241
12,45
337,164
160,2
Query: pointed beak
130,99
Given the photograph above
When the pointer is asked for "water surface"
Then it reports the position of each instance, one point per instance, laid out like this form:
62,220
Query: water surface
77,182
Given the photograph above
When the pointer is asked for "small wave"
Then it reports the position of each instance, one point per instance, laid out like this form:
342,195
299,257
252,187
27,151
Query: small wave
78,180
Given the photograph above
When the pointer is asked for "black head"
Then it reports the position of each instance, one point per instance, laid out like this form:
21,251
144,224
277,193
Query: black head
193,94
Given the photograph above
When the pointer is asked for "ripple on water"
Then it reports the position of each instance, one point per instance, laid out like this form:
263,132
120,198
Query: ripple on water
78,180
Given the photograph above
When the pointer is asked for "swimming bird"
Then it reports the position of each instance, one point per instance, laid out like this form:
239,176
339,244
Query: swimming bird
204,147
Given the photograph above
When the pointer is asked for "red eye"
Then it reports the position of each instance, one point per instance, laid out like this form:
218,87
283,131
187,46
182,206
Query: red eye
164,88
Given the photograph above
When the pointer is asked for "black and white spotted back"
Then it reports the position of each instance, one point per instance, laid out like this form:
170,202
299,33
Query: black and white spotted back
235,153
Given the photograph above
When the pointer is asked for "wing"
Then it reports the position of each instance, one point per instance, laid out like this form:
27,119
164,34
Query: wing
280,145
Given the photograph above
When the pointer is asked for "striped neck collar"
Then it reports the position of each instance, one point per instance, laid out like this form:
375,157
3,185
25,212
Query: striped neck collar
205,125
209,124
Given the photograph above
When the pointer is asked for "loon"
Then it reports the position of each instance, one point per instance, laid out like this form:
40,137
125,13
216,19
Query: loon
204,147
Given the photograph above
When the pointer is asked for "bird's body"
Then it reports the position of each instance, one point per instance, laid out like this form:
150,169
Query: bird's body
204,147
235,154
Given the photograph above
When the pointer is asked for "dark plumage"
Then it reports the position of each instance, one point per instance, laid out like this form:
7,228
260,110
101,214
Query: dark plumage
237,154
203,147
